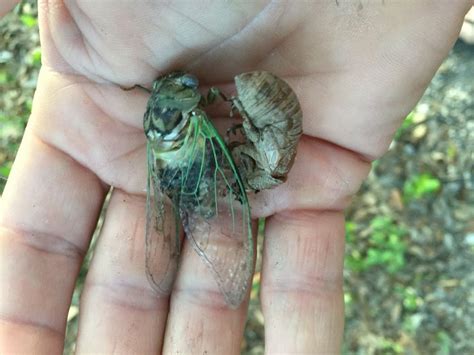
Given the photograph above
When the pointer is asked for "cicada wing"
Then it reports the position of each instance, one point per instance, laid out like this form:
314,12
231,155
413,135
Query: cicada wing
162,232
219,225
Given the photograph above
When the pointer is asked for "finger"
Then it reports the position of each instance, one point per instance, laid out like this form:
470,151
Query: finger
48,212
199,320
324,176
301,290
82,118
119,311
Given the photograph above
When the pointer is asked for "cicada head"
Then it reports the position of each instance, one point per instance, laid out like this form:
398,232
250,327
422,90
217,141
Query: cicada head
173,97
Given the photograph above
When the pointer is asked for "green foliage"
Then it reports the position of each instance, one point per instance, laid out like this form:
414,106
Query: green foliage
419,186
3,77
5,169
35,57
11,127
351,228
407,123
348,302
354,261
411,323
391,347
375,164
451,151
347,298
386,247
410,298
445,343
11,130
18,72
28,105
255,291
29,20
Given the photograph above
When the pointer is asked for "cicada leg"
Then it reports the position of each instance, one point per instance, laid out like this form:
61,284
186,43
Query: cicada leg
233,130
212,96
215,93
255,177
134,87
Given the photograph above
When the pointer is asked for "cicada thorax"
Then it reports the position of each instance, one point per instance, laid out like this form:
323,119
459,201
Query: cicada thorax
272,125
173,98
165,123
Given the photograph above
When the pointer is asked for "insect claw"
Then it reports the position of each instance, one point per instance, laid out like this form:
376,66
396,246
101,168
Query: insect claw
213,94
233,130
134,87
233,109
234,144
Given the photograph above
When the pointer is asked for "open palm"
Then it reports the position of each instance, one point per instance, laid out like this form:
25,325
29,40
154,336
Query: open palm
357,69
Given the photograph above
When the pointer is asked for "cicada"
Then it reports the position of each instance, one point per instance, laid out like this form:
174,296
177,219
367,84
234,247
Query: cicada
193,184
272,126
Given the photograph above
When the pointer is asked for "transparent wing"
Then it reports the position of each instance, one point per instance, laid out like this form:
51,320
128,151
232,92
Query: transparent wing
162,231
215,213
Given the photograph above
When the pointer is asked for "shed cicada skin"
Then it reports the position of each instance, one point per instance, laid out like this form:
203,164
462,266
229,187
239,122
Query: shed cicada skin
193,183
272,126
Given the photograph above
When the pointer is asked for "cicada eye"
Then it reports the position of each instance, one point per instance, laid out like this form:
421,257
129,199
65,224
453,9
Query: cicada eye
190,81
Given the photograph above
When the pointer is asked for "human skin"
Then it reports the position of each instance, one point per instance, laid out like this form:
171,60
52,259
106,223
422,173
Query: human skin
6,5
357,68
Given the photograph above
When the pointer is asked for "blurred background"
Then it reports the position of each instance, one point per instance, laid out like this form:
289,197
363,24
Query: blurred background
409,263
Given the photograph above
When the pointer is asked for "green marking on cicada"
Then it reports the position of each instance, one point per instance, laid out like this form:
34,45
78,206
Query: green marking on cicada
192,177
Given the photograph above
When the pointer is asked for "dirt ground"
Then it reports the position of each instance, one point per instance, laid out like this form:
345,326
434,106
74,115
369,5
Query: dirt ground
410,230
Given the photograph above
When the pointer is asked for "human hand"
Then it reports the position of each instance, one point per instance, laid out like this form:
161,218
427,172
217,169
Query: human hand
357,69
6,6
